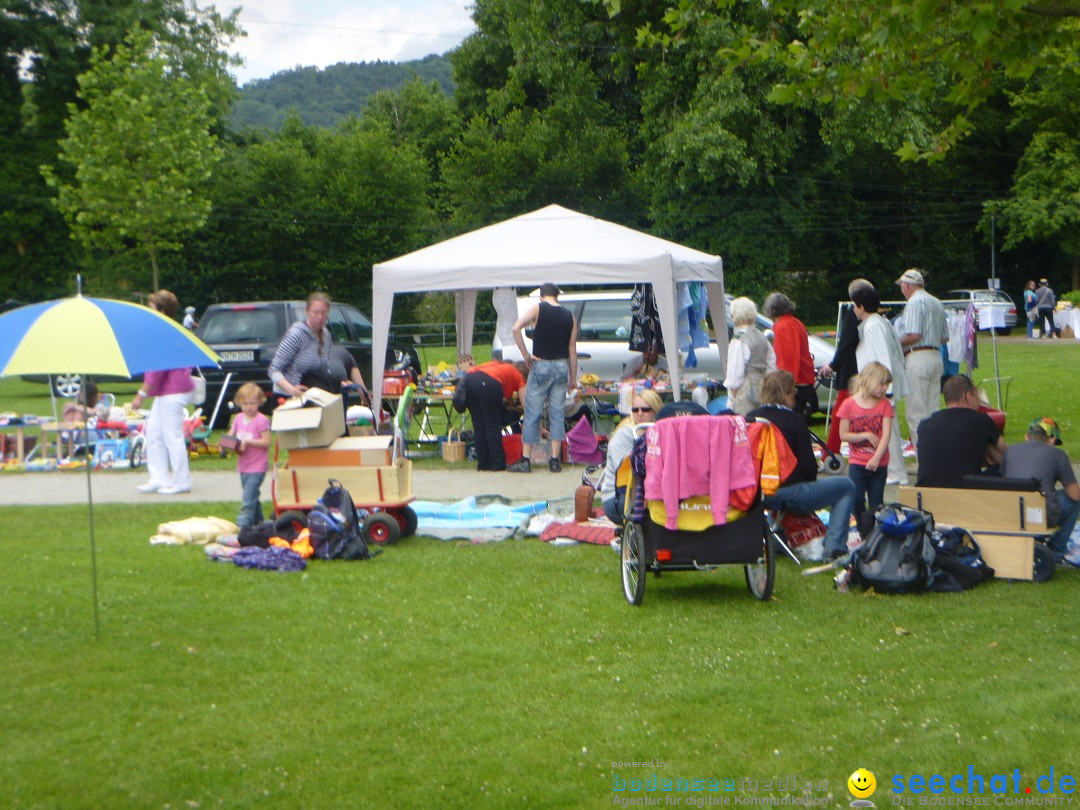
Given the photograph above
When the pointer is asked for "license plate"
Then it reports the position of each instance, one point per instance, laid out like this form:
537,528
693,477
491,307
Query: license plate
237,357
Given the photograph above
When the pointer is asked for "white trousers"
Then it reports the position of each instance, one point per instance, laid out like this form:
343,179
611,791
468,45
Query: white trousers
924,370
165,447
897,469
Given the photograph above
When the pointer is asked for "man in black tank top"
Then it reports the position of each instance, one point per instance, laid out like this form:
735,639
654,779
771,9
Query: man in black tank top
552,372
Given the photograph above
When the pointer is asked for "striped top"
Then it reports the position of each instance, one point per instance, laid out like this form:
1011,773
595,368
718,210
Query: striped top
924,316
299,351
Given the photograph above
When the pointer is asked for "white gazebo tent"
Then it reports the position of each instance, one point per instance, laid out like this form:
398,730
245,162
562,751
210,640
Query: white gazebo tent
553,245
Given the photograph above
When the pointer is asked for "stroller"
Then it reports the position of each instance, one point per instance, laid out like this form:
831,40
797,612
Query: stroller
696,543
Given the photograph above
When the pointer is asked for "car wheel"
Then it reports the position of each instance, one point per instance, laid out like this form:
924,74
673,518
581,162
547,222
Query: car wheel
67,386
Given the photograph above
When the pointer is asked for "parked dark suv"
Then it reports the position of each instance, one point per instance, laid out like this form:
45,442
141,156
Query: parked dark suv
246,336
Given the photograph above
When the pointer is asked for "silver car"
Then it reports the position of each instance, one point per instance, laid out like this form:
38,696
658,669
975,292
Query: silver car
959,300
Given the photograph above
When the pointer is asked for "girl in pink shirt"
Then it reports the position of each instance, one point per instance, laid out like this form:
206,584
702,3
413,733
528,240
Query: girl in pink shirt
866,425
252,431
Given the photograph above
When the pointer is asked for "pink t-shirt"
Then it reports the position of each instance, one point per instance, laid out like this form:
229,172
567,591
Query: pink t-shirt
253,459
865,420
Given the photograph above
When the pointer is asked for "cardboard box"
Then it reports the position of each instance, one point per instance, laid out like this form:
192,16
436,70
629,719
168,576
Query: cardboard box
313,419
371,486
351,451
361,430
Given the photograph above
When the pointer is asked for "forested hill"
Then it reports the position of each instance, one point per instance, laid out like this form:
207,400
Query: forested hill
325,97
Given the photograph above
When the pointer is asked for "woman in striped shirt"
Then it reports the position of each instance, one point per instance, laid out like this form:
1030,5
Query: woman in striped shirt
305,348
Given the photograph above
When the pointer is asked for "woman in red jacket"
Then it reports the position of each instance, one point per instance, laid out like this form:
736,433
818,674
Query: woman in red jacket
791,343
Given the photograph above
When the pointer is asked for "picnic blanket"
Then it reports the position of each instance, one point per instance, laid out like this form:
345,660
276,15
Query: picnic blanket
474,512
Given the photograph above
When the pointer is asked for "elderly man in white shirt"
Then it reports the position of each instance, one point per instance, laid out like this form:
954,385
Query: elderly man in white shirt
922,334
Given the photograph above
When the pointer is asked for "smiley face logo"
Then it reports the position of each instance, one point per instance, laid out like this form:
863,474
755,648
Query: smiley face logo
862,784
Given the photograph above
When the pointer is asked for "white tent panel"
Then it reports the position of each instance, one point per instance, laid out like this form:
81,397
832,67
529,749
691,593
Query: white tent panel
553,245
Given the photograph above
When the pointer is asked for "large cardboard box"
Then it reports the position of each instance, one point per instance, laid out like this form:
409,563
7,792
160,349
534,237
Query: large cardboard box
375,486
313,419
351,451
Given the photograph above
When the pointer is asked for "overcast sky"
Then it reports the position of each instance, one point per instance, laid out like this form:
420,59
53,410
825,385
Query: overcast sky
283,34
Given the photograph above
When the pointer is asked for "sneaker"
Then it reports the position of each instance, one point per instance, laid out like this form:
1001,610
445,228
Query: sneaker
835,554
173,490
148,488
554,465
521,465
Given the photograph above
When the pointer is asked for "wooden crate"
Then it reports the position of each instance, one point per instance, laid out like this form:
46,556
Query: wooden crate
375,486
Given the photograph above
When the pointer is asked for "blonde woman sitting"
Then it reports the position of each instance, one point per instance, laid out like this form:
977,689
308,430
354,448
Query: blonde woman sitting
643,409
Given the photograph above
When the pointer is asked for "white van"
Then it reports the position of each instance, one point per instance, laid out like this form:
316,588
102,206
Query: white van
603,318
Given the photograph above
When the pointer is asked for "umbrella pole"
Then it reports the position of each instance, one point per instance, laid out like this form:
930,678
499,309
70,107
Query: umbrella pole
93,545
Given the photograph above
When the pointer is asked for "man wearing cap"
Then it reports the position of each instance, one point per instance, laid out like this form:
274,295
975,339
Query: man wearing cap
922,334
1039,457
1045,301
552,368
959,440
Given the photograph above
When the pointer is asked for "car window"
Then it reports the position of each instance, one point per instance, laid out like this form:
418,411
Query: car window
604,320
240,326
335,322
361,326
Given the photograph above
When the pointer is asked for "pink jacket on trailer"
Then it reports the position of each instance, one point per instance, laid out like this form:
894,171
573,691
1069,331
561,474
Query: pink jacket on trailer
697,455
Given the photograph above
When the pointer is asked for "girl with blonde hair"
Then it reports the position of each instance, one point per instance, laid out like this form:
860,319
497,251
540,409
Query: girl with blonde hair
866,421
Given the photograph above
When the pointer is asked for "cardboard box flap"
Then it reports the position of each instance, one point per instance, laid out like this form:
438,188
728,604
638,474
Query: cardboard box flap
313,396
302,419
362,443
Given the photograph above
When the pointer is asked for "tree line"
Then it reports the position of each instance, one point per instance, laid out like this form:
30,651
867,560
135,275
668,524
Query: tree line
807,143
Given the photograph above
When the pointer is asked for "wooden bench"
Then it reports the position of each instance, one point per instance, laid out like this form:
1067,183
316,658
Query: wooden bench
1005,523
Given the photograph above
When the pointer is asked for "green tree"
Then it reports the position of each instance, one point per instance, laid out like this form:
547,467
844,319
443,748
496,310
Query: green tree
44,46
930,63
308,208
546,114
419,114
1044,203
141,150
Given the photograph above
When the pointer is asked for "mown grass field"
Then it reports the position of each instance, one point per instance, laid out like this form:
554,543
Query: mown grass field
513,674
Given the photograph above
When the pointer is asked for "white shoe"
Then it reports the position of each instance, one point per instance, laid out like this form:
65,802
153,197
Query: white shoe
148,488
173,490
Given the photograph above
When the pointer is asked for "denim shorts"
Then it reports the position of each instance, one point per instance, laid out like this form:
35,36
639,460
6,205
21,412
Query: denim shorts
547,383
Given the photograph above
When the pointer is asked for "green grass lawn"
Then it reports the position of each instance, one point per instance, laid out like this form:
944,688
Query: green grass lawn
514,674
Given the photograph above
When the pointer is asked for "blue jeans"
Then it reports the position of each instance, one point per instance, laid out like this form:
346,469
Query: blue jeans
868,483
1070,509
547,383
251,513
809,496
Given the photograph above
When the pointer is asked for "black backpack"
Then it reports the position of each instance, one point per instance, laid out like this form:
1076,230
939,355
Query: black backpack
898,555
958,563
334,527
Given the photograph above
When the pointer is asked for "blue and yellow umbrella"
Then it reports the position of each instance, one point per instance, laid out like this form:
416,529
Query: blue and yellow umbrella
95,336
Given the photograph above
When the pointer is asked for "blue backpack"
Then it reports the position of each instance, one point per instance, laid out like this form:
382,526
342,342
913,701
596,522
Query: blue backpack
334,527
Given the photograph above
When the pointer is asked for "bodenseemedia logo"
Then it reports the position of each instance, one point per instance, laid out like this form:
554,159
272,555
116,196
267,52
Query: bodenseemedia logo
974,788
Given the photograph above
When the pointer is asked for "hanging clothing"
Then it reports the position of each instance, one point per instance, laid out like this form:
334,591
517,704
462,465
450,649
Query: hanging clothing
645,332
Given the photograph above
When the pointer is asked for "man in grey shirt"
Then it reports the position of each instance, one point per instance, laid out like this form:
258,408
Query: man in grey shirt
1038,457
921,336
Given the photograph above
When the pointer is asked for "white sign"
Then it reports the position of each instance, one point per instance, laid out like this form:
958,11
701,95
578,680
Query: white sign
991,317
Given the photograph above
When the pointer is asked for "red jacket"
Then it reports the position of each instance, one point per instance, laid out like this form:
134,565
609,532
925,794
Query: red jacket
792,346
